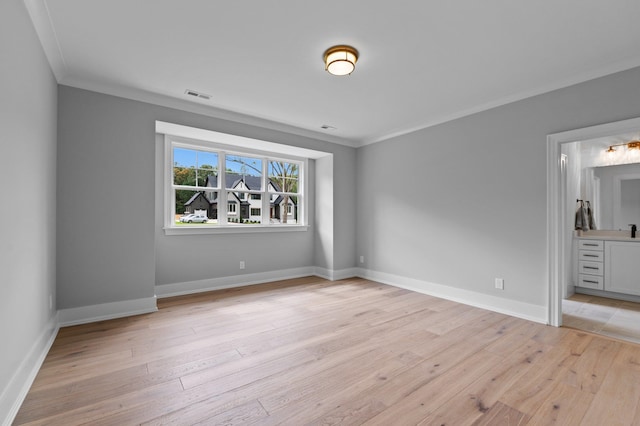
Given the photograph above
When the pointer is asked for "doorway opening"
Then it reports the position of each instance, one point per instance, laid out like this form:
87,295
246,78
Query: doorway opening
561,186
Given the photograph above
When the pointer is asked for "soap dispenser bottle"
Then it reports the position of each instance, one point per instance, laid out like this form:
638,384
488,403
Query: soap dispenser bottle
634,229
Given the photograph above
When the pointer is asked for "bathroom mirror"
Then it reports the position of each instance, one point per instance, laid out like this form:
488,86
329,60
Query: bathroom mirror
619,194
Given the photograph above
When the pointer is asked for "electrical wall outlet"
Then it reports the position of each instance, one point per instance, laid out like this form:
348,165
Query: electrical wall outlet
499,283
361,259
242,264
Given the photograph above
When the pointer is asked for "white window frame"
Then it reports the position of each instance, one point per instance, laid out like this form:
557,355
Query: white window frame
170,228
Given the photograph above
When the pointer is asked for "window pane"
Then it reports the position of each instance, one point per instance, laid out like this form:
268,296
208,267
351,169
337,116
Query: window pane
284,210
243,211
196,207
243,172
194,167
283,176
198,168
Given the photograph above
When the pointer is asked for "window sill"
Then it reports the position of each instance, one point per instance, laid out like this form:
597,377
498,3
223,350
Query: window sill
207,230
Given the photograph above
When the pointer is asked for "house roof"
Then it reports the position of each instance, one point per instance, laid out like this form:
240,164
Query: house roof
233,179
195,196
251,182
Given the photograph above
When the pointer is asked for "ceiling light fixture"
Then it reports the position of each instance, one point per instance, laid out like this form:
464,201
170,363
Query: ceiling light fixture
340,60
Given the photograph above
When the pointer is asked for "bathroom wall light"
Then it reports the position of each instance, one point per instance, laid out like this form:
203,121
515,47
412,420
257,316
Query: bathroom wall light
340,60
632,146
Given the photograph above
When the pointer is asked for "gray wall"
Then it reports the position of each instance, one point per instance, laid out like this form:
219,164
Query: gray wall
111,246
464,202
28,175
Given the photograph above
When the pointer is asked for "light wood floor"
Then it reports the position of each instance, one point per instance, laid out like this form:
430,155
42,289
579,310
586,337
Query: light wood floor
310,351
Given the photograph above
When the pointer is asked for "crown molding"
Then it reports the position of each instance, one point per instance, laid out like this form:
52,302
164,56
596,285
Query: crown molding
41,19
39,13
197,108
602,71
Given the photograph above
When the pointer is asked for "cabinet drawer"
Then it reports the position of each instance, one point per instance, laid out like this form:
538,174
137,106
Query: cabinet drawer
591,268
594,256
590,245
591,281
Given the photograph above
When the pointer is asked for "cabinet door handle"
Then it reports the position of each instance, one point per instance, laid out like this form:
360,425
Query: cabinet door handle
589,281
590,255
590,245
591,267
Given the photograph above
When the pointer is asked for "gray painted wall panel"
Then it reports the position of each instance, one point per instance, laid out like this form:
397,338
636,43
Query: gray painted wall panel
464,202
28,173
108,161
344,208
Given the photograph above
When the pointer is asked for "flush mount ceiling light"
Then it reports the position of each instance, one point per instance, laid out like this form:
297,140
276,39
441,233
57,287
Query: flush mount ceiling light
340,60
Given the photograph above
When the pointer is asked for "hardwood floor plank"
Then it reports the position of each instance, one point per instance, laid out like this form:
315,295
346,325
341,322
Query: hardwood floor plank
108,411
418,402
502,415
589,371
566,405
467,406
616,401
312,351
532,389
322,378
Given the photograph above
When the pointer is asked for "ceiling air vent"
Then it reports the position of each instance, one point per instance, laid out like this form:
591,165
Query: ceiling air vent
197,94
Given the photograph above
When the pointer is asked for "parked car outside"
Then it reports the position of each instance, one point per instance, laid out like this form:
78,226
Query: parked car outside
194,218
186,217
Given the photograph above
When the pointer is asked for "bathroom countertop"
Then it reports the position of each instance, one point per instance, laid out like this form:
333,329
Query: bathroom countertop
611,235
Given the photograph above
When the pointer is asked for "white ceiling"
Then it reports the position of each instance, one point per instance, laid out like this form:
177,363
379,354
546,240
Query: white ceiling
421,62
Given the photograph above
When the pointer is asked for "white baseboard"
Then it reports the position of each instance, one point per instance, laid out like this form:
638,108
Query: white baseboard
14,393
106,311
335,274
199,286
480,300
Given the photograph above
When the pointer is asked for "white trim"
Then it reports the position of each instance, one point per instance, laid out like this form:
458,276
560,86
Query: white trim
41,18
228,141
608,69
510,307
555,242
234,281
233,229
211,284
188,105
14,393
335,274
106,311
42,23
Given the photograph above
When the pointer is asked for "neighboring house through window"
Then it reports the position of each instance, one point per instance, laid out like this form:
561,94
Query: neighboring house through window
260,189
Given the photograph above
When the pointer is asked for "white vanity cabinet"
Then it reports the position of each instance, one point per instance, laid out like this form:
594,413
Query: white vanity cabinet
622,267
591,264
